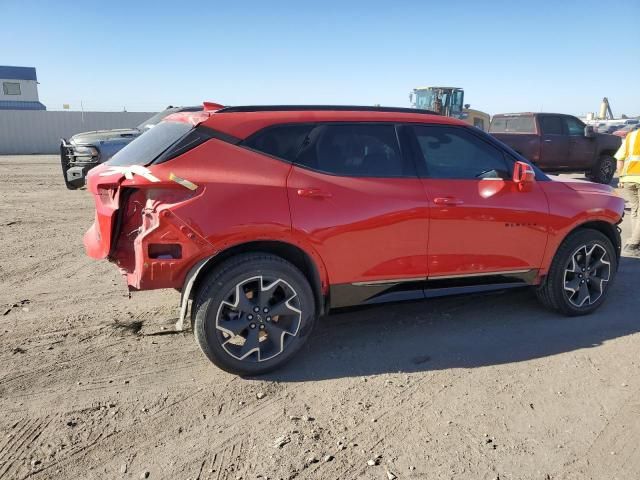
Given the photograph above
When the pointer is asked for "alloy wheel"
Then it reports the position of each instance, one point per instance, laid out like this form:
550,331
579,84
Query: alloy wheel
586,275
257,318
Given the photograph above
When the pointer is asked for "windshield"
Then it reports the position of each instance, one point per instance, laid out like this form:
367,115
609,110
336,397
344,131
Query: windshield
445,102
512,125
424,99
156,119
148,146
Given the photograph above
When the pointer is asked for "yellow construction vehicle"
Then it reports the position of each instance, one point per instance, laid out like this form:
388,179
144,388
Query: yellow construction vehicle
448,101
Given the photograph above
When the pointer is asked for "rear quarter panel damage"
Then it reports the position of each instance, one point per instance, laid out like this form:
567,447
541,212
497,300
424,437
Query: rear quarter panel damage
237,190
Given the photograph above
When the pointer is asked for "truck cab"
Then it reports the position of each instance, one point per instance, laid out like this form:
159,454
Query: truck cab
448,101
558,143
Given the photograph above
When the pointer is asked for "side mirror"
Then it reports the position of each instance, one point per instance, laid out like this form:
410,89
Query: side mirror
589,131
523,175
467,106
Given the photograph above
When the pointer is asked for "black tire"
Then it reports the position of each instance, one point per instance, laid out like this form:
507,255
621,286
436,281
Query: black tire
271,341
603,170
556,291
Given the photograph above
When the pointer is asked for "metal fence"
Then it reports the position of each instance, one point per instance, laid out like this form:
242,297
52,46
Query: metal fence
31,131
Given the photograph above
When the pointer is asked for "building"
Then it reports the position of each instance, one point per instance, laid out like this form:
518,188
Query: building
19,89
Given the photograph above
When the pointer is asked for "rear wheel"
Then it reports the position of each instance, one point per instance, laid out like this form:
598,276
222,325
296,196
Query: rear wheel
581,274
603,170
253,313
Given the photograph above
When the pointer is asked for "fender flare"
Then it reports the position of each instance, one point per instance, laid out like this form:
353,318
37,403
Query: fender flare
185,295
194,273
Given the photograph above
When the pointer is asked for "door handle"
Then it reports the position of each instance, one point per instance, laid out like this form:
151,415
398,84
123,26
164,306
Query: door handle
313,193
547,141
450,201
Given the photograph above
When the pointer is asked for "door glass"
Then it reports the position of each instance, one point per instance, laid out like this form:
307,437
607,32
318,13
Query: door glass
574,126
282,141
449,152
355,150
551,125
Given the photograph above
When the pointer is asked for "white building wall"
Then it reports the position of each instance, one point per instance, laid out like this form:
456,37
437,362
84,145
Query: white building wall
40,131
28,91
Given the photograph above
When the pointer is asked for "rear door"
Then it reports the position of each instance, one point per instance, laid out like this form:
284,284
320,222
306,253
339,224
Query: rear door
480,222
519,132
582,150
554,149
357,198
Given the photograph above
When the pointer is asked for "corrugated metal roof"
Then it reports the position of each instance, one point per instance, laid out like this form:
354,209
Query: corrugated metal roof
18,73
17,105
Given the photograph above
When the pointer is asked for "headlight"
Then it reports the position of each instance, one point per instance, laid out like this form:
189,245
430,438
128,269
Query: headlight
85,151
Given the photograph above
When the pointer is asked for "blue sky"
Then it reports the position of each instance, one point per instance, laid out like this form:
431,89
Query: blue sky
509,56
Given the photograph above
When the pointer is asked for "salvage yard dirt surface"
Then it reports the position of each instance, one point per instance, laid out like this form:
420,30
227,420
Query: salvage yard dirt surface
96,385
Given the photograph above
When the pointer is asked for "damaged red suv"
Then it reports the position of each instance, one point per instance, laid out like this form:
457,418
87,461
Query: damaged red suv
267,217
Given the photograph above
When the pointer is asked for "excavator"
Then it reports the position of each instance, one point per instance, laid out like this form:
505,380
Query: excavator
448,101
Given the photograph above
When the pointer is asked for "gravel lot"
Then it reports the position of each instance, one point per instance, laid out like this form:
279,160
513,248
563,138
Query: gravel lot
96,385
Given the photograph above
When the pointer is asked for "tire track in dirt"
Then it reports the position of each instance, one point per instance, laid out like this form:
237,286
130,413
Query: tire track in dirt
24,441
614,451
159,422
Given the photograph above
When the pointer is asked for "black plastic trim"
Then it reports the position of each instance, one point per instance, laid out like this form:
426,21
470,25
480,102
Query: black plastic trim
192,139
334,108
349,294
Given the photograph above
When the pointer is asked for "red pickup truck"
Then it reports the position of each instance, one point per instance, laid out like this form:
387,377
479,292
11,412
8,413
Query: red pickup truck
558,143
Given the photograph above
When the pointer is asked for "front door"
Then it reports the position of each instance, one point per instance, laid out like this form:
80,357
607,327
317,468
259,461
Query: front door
358,199
581,149
480,222
554,146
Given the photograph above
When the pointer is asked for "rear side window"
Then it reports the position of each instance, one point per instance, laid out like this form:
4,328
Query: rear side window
512,125
282,141
455,153
355,150
551,125
151,144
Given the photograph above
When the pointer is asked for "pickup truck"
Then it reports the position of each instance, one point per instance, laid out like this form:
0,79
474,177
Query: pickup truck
85,150
558,143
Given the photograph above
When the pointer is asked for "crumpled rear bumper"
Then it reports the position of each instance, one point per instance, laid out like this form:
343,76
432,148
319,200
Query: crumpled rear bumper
140,226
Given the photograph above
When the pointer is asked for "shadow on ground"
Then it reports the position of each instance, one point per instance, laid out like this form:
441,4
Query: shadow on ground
460,332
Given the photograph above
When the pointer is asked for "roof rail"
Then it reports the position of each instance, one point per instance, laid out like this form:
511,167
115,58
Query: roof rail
340,108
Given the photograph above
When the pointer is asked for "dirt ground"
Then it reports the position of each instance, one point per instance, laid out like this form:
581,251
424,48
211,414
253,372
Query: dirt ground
96,385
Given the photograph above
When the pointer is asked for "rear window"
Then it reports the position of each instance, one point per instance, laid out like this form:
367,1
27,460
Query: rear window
512,125
148,146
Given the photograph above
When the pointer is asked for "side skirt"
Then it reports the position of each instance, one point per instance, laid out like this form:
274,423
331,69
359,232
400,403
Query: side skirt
351,294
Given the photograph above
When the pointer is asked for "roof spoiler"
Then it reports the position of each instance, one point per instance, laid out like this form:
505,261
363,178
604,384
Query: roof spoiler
211,106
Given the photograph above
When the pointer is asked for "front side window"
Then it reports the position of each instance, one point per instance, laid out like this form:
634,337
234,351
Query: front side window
454,153
574,126
11,88
355,150
551,125
283,141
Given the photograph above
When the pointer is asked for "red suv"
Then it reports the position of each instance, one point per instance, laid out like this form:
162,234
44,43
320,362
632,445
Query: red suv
267,217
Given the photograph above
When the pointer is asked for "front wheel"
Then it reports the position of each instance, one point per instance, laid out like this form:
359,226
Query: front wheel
253,313
581,274
603,170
